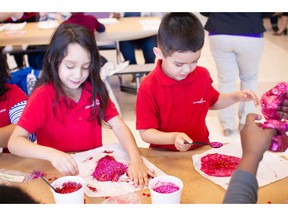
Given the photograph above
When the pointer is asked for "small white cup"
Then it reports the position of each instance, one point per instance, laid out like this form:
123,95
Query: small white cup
76,197
165,198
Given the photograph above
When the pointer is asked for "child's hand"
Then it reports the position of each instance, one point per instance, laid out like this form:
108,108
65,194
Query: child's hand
181,142
248,95
64,162
139,173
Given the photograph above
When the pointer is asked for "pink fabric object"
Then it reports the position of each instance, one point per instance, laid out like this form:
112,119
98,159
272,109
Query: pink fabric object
269,103
272,99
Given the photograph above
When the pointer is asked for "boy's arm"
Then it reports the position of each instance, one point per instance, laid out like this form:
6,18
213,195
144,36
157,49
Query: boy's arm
158,137
163,138
229,99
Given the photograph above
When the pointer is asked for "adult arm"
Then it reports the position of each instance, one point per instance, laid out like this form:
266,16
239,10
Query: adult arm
255,141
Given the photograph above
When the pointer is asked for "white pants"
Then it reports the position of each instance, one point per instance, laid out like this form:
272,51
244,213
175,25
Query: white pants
236,56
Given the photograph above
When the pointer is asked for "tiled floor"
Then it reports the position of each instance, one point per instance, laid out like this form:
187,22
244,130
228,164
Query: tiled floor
273,69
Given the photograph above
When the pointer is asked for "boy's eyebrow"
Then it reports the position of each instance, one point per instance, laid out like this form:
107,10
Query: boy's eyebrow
176,62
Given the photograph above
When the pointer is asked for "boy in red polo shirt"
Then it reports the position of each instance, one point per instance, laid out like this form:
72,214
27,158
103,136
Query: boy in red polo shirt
68,106
173,100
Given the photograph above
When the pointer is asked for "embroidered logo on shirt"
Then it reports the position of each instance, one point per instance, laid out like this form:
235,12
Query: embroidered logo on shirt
92,105
200,101
3,110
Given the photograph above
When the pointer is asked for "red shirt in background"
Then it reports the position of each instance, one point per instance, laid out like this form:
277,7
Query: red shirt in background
87,21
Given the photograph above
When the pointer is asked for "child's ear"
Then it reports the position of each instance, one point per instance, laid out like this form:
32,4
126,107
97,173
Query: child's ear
157,52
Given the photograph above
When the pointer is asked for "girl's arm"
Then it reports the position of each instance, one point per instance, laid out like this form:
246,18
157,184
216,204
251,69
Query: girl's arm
226,100
19,144
5,133
137,171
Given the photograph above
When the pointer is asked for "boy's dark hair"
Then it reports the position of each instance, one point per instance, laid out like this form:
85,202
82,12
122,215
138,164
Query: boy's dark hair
14,195
180,32
64,35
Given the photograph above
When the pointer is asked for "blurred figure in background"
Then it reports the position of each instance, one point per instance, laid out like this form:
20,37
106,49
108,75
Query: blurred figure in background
90,22
283,24
236,43
12,15
129,47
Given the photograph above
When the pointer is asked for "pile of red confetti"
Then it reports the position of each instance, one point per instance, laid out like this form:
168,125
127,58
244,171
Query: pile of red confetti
219,165
108,169
68,187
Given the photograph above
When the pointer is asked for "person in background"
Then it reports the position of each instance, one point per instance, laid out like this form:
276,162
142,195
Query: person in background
174,98
273,18
236,42
68,106
283,25
26,17
59,16
35,57
10,15
90,22
129,47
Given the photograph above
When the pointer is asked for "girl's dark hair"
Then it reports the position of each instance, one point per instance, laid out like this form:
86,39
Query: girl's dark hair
4,75
64,35
180,32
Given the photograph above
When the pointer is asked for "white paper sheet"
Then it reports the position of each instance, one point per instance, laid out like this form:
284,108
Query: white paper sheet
87,162
107,21
13,26
49,24
150,24
271,168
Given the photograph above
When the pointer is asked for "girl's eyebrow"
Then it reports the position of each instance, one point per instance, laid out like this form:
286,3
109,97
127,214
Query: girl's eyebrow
71,61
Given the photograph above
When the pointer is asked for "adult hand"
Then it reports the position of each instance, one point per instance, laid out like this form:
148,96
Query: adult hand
283,109
255,141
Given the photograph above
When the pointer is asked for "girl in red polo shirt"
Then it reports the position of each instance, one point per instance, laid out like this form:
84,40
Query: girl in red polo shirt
68,106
